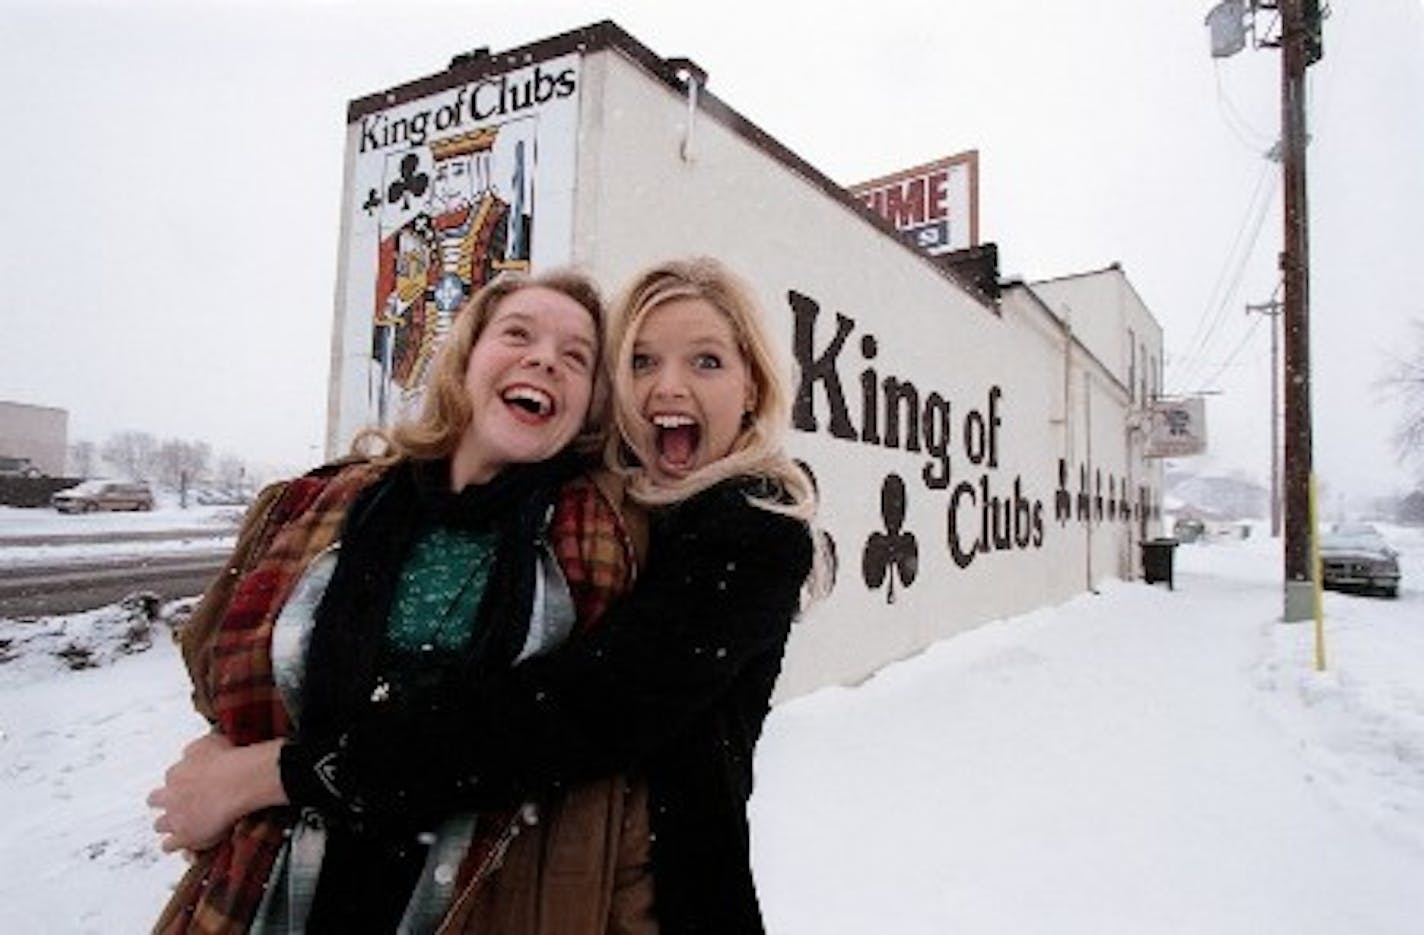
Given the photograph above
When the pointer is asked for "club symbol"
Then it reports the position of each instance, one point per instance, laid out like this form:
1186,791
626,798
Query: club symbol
892,551
827,540
372,204
1062,499
410,184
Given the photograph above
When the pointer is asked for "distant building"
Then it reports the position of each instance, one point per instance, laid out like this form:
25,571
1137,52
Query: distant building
1218,497
1108,318
39,434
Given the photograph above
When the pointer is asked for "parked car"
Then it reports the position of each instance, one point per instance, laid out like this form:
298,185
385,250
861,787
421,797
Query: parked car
93,495
1354,556
221,496
1188,529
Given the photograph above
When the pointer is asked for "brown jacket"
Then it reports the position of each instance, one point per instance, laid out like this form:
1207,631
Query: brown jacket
581,864
582,867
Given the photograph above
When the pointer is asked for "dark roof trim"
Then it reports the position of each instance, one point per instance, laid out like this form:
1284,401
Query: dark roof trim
1114,265
471,67
608,35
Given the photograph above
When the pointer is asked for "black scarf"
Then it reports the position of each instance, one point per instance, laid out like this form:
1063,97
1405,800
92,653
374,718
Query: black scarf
345,660
369,869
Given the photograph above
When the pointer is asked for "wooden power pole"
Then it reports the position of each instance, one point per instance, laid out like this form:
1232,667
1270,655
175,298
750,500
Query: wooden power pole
1300,47
1272,310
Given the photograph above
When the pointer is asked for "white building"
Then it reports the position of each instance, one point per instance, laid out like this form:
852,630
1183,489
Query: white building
977,451
39,434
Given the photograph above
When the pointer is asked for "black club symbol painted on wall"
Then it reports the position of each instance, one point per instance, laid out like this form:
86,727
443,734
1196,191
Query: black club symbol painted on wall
410,184
372,204
891,552
827,541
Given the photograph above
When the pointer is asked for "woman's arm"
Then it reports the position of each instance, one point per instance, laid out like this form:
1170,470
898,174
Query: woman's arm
715,604
196,637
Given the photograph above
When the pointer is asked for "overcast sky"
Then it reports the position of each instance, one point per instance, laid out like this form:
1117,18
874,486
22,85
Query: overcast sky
172,172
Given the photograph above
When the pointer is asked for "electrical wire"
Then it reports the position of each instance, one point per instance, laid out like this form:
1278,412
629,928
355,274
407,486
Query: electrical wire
1231,358
1245,339
1211,300
1196,355
1234,120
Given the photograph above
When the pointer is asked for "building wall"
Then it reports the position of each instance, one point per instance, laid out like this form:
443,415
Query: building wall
996,375
40,433
1111,320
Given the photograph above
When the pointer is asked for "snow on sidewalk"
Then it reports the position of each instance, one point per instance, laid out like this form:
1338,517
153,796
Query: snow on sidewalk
1138,761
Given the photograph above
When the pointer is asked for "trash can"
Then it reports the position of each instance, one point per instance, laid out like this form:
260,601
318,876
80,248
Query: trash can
1157,561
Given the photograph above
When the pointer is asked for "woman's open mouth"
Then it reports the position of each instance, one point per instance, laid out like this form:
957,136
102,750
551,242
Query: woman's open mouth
529,403
677,438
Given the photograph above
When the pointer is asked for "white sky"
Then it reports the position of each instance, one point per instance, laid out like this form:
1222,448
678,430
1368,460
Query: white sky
171,176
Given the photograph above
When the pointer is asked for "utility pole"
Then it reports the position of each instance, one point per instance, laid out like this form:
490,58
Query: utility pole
1300,44
1300,47
1273,311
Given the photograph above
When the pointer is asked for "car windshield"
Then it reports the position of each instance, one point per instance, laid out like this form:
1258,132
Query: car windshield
1350,530
1353,537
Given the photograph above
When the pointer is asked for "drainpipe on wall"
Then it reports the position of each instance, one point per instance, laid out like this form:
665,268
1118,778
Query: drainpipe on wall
694,77
1130,488
1088,460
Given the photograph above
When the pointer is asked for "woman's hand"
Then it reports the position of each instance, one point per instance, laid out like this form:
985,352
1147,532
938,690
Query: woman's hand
212,785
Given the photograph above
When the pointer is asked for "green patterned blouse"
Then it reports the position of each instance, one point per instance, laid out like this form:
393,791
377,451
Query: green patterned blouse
439,590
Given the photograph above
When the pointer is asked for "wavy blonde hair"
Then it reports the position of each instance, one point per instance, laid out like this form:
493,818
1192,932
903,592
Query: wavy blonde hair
445,413
757,450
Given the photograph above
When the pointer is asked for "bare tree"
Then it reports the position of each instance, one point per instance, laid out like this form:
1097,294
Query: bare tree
83,457
181,463
131,454
1405,381
231,473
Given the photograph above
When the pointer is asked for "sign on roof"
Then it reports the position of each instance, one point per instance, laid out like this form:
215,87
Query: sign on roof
936,205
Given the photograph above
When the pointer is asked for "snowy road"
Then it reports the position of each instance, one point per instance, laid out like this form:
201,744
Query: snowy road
34,590
52,563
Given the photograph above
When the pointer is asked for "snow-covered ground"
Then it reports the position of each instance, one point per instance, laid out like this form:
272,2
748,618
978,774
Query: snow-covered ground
202,528
1137,761
17,521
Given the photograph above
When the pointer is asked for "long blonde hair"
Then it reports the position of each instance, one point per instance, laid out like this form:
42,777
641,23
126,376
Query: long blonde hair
757,450
445,412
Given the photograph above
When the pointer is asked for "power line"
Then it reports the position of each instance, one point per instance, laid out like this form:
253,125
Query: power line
1234,120
1231,358
1232,271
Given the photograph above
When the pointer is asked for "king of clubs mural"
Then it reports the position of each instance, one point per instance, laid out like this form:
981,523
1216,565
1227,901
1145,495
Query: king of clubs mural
444,193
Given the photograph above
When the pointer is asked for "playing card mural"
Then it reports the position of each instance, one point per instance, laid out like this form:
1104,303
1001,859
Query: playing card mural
453,217
445,192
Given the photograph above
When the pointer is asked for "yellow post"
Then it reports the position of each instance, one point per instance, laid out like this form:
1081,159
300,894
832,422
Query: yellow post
1316,573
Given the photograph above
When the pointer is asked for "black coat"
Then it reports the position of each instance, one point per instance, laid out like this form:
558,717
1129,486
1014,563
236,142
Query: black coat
676,683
